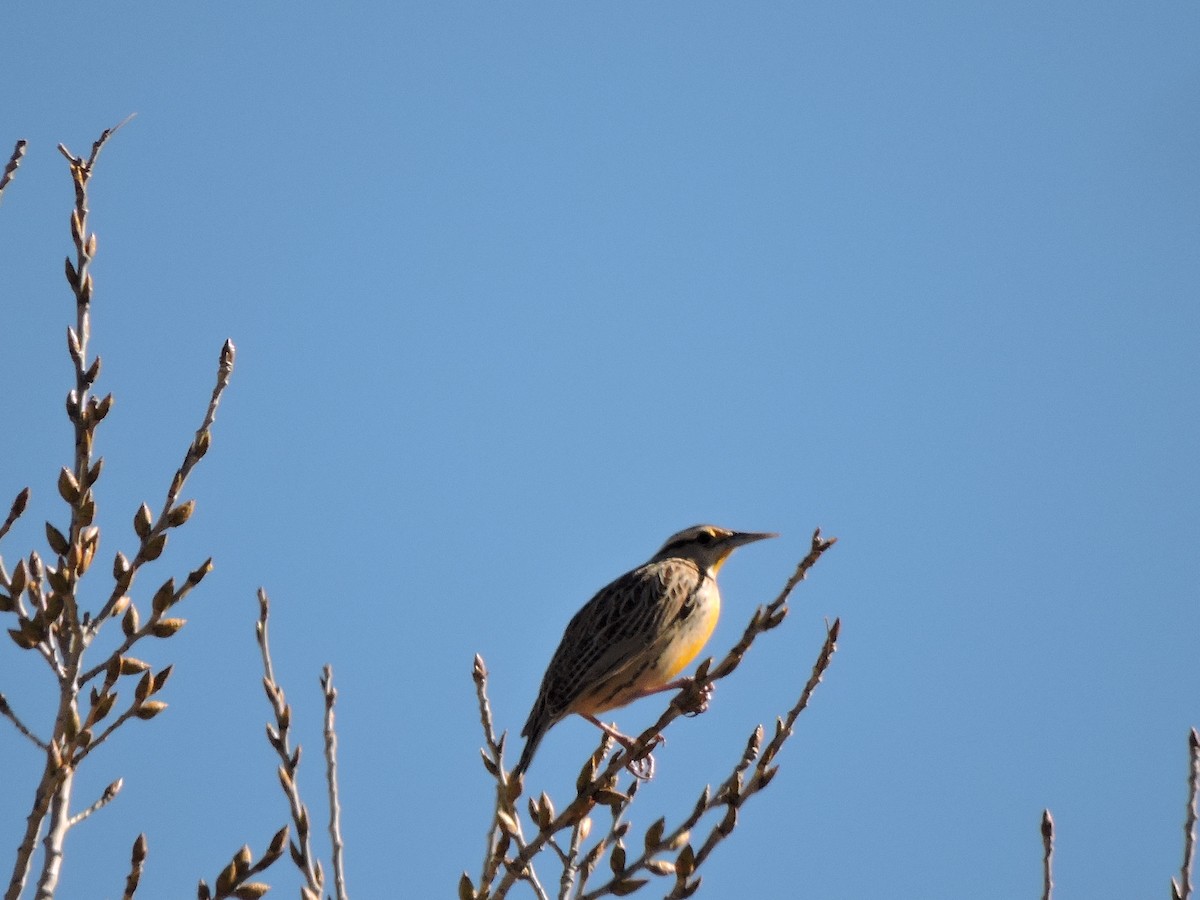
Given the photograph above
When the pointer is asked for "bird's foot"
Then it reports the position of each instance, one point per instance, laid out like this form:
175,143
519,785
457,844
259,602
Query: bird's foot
641,769
641,765
692,699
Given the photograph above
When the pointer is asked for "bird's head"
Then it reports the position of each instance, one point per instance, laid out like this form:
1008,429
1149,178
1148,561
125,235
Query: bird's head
707,545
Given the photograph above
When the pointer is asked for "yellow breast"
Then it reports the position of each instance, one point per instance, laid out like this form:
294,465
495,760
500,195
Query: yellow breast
693,634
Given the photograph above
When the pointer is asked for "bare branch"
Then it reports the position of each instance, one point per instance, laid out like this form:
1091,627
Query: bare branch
735,791
335,806
153,538
1182,890
1047,854
234,879
137,863
110,794
8,713
97,145
14,162
505,827
14,513
278,737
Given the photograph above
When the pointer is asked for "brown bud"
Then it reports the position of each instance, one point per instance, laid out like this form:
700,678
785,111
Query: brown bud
103,705
142,521
154,547
104,407
685,863
180,514
164,596
654,834
21,639
20,578
131,621
277,844
200,444
198,575
628,886
142,691
164,628
661,866
616,859
150,709
251,890
68,486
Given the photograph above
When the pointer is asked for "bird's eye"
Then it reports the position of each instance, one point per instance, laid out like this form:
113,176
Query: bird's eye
705,538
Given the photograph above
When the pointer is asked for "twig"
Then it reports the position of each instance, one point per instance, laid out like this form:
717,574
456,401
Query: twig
335,806
764,772
14,163
7,712
1047,854
14,513
505,827
233,883
110,794
302,854
97,145
59,639
52,624
137,863
153,538
570,859
1183,889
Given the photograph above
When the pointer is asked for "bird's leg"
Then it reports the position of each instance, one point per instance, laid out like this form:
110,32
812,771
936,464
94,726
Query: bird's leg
690,703
642,769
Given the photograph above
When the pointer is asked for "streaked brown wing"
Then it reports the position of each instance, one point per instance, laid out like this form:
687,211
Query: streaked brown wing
614,629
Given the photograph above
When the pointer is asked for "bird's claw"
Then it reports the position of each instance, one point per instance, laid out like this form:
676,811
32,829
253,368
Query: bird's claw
642,767
693,700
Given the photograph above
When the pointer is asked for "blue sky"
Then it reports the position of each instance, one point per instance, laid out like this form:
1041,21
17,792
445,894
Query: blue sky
520,290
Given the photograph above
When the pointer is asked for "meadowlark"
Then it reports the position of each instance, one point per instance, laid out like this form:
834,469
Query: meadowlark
636,635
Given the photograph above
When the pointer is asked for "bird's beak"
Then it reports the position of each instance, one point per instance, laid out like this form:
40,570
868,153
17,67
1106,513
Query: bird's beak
738,538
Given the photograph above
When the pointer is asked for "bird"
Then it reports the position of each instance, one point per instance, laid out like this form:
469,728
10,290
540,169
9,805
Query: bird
636,635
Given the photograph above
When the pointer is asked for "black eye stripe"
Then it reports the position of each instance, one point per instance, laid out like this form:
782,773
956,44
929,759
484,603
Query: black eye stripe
703,538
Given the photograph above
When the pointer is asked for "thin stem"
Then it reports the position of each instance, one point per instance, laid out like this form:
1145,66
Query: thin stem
505,827
1047,854
14,512
1184,889
56,837
14,162
335,807
8,713
47,788
110,794
157,532
302,854
137,863
571,861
